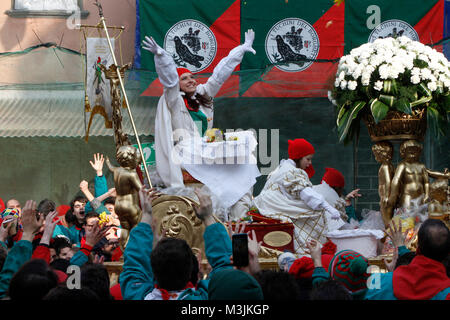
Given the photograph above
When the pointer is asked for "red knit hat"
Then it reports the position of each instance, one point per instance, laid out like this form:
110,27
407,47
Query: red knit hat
2,205
333,178
300,148
304,267
181,71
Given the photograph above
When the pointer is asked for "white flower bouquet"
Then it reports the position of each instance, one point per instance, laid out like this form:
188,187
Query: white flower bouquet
396,74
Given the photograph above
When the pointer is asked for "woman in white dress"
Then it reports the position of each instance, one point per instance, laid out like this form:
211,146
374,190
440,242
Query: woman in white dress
186,107
289,197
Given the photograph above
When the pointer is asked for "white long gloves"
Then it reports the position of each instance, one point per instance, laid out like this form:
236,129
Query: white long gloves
317,201
226,66
164,64
166,68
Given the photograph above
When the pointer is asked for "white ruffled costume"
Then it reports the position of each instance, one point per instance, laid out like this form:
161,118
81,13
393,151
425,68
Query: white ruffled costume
289,197
173,120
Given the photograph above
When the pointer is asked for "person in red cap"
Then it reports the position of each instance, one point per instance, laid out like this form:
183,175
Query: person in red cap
288,196
332,189
186,107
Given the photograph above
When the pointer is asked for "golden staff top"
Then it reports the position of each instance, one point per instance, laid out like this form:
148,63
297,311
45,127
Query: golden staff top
105,27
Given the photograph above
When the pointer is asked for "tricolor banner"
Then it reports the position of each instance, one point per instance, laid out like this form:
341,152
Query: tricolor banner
198,34
298,43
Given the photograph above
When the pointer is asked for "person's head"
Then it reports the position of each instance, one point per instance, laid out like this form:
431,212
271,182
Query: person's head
350,269
77,207
63,293
278,285
95,277
46,206
109,204
382,151
63,248
171,261
128,157
410,150
334,179
91,218
32,281
302,152
14,204
234,284
433,240
331,290
188,83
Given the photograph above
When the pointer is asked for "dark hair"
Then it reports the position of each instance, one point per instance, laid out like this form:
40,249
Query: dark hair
110,200
82,199
46,206
171,262
63,293
60,264
278,285
91,214
330,290
70,217
95,277
405,259
32,281
60,243
195,270
434,240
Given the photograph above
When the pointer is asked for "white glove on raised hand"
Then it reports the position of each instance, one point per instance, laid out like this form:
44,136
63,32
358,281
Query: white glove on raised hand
333,212
249,38
150,44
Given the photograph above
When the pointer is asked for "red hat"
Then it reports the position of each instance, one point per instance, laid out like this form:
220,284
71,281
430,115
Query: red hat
2,205
304,267
334,178
62,209
300,148
181,71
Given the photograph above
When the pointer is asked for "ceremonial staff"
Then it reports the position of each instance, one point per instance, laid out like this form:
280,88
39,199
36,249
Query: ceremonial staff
103,22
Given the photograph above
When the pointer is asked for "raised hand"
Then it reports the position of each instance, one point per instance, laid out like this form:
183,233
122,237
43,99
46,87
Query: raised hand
97,165
204,211
150,44
49,226
31,221
354,194
238,228
315,250
395,232
249,38
96,233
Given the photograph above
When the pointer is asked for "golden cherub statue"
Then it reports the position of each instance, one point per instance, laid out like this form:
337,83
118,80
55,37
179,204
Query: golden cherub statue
127,184
439,204
383,154
410,180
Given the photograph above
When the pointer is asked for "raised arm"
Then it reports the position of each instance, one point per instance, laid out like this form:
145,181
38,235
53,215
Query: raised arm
225,67
165,68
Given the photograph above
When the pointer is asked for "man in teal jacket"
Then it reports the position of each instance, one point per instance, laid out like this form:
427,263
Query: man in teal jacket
142,278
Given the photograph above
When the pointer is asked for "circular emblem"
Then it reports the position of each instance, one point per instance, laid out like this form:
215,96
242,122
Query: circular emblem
293,44
192,44
393,28
277,238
